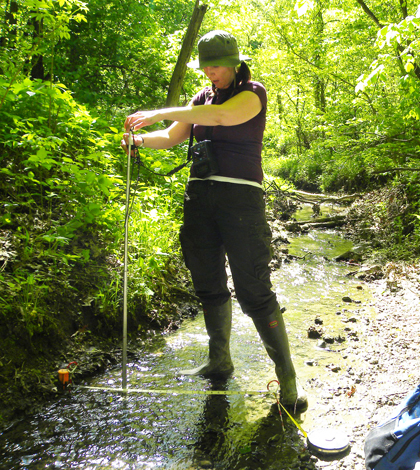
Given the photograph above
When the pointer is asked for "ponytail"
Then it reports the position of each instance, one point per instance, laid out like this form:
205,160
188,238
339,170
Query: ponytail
243,75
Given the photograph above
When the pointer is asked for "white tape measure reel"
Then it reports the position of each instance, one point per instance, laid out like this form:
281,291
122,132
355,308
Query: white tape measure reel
328,441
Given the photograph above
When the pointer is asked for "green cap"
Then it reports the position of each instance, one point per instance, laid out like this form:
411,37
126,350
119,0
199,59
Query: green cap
217,48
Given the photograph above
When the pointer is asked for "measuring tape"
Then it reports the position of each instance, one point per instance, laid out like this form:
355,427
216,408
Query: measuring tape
177,391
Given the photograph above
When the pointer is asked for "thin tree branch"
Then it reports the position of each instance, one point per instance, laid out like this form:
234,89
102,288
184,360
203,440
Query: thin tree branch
398,48
369,12
403,5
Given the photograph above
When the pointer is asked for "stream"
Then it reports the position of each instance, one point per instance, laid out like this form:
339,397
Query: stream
178,422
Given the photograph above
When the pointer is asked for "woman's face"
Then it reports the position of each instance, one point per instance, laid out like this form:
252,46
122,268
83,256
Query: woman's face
220,76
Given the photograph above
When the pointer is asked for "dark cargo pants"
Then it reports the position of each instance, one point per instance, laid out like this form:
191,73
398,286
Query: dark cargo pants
227,218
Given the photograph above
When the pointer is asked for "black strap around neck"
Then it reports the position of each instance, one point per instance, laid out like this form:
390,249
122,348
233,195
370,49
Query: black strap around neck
189,155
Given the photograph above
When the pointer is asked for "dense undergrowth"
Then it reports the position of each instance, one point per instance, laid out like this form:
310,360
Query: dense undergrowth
387,221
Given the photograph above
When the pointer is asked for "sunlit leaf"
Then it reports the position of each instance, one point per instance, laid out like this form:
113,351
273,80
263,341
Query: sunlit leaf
409,66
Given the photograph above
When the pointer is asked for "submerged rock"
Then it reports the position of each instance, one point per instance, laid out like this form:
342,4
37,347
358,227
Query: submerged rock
314,332
355,254
370,272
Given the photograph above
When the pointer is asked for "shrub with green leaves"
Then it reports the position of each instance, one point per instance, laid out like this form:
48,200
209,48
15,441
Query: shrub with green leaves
57,177
62,226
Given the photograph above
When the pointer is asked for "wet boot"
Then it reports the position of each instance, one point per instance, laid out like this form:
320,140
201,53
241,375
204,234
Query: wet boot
273,333
218,324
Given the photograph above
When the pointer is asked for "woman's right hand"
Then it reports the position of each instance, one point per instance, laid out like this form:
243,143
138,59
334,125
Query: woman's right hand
141,119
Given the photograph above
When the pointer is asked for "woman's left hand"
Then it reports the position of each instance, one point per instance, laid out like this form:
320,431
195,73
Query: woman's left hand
126,140
141,119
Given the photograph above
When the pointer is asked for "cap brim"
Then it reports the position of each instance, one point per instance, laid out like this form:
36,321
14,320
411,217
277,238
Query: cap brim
220,61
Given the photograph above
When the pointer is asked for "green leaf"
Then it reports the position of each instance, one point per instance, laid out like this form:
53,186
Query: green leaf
409,66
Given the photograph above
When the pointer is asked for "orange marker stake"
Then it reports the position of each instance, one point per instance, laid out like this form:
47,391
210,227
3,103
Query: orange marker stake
64,374
64,377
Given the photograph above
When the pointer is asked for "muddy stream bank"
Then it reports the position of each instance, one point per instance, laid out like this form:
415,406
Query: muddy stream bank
355,346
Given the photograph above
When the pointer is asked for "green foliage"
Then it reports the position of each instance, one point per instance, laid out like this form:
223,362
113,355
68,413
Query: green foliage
63,173
155,215
63,203
31,33
54,190
63,191
330,125
124,54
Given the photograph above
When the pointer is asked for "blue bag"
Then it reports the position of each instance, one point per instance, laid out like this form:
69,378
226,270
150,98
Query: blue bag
395,444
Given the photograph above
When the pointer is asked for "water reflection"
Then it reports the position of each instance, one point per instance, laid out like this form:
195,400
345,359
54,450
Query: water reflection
212,427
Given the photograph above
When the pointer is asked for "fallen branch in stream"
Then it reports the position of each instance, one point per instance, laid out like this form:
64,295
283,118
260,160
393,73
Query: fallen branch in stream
311,198
318,222
286,200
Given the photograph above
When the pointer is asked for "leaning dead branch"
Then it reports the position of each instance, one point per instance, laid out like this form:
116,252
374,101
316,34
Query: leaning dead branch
311,198
308,198
319,222
322,221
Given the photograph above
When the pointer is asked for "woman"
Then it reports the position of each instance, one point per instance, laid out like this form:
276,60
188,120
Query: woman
224,213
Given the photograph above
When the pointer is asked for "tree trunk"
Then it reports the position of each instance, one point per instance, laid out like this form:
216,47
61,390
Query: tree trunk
319,61
187,46
37,70
10,23
321,221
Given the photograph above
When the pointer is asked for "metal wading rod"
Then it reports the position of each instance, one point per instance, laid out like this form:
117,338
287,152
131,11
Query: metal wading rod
127,208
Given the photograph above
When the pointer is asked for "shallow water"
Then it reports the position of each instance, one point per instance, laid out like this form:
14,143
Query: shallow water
102,429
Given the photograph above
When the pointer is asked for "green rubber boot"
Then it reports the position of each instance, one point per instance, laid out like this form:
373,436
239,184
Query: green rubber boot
218,324
273,333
